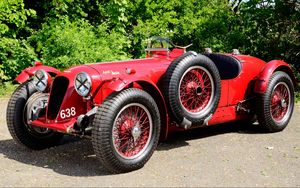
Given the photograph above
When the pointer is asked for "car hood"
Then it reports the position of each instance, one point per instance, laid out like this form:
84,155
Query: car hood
121,69
149,69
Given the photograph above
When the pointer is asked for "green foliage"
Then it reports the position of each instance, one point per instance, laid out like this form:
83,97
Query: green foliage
63,33
269,29
297,97
15,55
64,43
2,75
13,17
203,23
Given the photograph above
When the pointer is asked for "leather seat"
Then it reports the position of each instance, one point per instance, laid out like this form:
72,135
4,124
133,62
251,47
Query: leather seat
228,67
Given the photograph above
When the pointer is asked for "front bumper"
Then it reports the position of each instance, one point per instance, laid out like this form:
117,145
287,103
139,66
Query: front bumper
65,127
81,122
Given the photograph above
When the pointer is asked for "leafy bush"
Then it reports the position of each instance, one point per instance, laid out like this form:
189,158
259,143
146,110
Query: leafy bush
13,18
63,43
68,32
203,23
15,55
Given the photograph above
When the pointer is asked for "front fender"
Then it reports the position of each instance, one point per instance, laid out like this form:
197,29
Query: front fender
28,72
264,76
117,85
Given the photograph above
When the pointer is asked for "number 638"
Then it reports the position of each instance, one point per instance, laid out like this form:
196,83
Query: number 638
68,112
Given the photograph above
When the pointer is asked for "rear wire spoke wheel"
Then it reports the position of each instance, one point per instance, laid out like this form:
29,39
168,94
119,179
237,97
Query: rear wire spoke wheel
275,107
280,102
196,90
126,130
192,89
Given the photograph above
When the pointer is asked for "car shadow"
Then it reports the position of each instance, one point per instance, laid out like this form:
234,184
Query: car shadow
179,139
75,157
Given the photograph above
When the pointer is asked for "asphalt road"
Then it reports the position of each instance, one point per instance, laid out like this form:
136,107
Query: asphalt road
222,155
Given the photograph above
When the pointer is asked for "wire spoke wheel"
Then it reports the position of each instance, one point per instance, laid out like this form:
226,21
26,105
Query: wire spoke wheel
275,107
25,105
196,90
126,130
192,89
132,130
280,102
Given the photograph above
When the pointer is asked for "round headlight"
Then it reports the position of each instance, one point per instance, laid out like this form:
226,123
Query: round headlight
83,84
40,80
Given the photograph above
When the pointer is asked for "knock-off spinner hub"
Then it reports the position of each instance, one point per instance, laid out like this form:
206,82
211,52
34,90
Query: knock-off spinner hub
283,103
136,132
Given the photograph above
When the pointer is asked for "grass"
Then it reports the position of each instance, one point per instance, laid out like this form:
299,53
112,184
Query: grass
6,89
297,97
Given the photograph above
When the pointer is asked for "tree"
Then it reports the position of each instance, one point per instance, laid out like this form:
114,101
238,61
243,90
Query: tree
13,18
270,29
15,54
47,29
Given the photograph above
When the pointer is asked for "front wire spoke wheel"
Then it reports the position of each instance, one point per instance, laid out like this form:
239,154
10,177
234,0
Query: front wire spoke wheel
126,130
23,107
131,130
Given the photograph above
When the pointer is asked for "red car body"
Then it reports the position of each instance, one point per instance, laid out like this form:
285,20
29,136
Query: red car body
146,74
125,107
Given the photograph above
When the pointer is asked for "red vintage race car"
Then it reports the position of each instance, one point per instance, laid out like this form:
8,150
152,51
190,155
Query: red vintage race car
125,107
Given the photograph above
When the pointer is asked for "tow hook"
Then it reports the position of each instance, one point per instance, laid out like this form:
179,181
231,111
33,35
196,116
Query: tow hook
84,120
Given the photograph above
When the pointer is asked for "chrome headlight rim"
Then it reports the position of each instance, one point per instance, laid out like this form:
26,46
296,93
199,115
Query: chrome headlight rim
40,80
82,81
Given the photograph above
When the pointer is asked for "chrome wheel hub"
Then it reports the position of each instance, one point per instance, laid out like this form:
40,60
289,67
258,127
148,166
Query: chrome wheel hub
136,132
283,103
132,130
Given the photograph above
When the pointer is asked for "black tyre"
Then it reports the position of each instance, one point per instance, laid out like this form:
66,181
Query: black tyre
126,130
29,136
275,107
192,89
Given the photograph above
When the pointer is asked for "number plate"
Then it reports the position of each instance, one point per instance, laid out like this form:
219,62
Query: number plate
68,112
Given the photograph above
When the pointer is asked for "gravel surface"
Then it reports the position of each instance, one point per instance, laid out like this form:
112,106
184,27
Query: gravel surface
222,155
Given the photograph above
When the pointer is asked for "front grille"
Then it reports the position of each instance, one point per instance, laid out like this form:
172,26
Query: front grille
58,91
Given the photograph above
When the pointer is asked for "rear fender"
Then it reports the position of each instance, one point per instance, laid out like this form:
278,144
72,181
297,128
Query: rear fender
264,76
145,84
28,72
